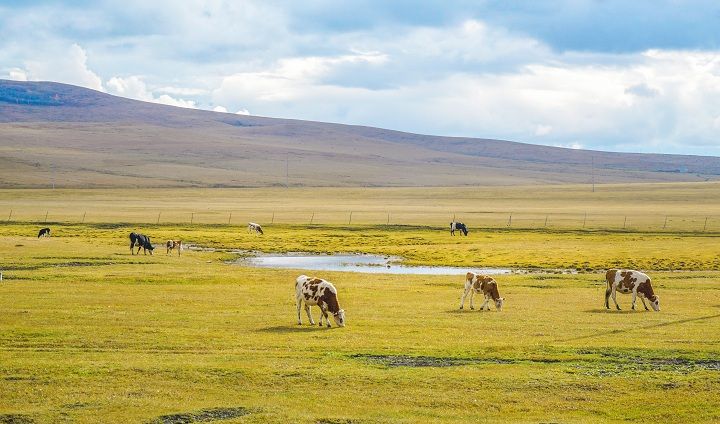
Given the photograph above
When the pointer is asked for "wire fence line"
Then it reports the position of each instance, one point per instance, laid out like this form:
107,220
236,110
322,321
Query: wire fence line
476,219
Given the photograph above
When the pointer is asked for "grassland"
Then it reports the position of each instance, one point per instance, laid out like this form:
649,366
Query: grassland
89,333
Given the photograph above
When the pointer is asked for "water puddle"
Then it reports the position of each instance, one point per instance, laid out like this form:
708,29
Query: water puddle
370,264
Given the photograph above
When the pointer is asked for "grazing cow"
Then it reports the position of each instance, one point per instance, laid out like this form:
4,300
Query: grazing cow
629,281
476,283
173,244
142,242
458,226
314,291
256,228
45,232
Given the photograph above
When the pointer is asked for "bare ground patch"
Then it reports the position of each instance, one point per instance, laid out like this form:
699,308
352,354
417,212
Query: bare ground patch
204,415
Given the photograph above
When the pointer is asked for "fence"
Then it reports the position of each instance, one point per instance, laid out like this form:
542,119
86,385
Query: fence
474,219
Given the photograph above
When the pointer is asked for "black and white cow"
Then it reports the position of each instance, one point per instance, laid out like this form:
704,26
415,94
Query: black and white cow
459,226
629,281
255,228
142,242
45,232
315,291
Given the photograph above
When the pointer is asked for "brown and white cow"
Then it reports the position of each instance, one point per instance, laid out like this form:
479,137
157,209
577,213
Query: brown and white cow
173,244
477,283
629,281
316,291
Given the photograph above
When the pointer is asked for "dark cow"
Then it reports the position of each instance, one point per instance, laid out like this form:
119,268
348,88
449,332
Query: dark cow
45,232
142,242
458,226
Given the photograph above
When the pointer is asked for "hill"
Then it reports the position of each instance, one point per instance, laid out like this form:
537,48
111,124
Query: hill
53,133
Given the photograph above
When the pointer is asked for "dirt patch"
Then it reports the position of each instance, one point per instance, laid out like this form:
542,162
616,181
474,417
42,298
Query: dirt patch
425,361
204,415
15,419
336,421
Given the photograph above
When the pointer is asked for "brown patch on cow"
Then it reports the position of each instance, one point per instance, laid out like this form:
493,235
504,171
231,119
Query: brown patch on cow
646,290
314,281
628,282
490,288
476,286
330,299
610,276
469,276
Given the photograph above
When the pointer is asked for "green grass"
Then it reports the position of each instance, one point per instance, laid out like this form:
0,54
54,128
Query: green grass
89,333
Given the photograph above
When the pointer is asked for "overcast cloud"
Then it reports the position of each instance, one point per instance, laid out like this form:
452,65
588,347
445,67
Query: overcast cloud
609,75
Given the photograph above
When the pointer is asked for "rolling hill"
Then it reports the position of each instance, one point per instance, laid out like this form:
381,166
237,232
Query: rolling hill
53,133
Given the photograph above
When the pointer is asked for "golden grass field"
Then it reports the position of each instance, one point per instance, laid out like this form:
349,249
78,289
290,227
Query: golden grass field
89,333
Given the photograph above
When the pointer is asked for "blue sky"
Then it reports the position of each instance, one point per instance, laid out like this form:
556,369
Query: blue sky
603,74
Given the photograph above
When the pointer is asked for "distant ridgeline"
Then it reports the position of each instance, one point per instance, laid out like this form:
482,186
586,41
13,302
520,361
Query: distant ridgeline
41,94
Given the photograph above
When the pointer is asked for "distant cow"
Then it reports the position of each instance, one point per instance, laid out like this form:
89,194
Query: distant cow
254,228
315,291
142,242
173,244
459,226
629,281
476,283
45,232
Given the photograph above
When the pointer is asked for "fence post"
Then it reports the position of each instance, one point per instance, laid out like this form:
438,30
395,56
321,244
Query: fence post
158,218
388,220
83,219
509,220
585,220
705,226
192,217
272,220
229,217
350,219
46,214
665,224
10,216
312,217
546,218
625,222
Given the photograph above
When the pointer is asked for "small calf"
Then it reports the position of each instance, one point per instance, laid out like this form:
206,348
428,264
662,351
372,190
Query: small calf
45,232
629,281
173,244
315,291
476,283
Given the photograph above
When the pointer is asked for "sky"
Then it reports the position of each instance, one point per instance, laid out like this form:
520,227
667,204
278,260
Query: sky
615,75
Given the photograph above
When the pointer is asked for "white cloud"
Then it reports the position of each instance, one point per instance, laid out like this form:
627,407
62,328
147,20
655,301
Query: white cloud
135,88
220,109
68,66
16,74
243,112
541,130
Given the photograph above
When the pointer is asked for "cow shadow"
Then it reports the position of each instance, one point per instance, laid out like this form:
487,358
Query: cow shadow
286,329
613,311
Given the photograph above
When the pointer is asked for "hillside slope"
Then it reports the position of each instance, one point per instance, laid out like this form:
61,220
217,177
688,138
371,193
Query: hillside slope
69,136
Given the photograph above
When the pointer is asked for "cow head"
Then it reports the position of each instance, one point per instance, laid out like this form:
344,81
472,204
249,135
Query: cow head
655,303
464,230
339,318
499,303
150,247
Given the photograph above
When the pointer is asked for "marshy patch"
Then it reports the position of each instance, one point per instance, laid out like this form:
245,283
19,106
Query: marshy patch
337,421
15,419
204,415
392,361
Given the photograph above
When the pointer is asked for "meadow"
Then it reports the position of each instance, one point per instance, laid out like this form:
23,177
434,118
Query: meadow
90,333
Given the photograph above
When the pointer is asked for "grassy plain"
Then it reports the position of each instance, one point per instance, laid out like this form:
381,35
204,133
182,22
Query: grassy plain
89,333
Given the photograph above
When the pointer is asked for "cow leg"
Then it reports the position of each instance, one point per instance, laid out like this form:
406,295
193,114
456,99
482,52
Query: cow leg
607,297
132,252
472,298
299,305
485,303
323,313
462,298
307,311
138,251
643,301
634,299
614,297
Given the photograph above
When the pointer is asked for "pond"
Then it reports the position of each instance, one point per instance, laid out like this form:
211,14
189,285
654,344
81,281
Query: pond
370,264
